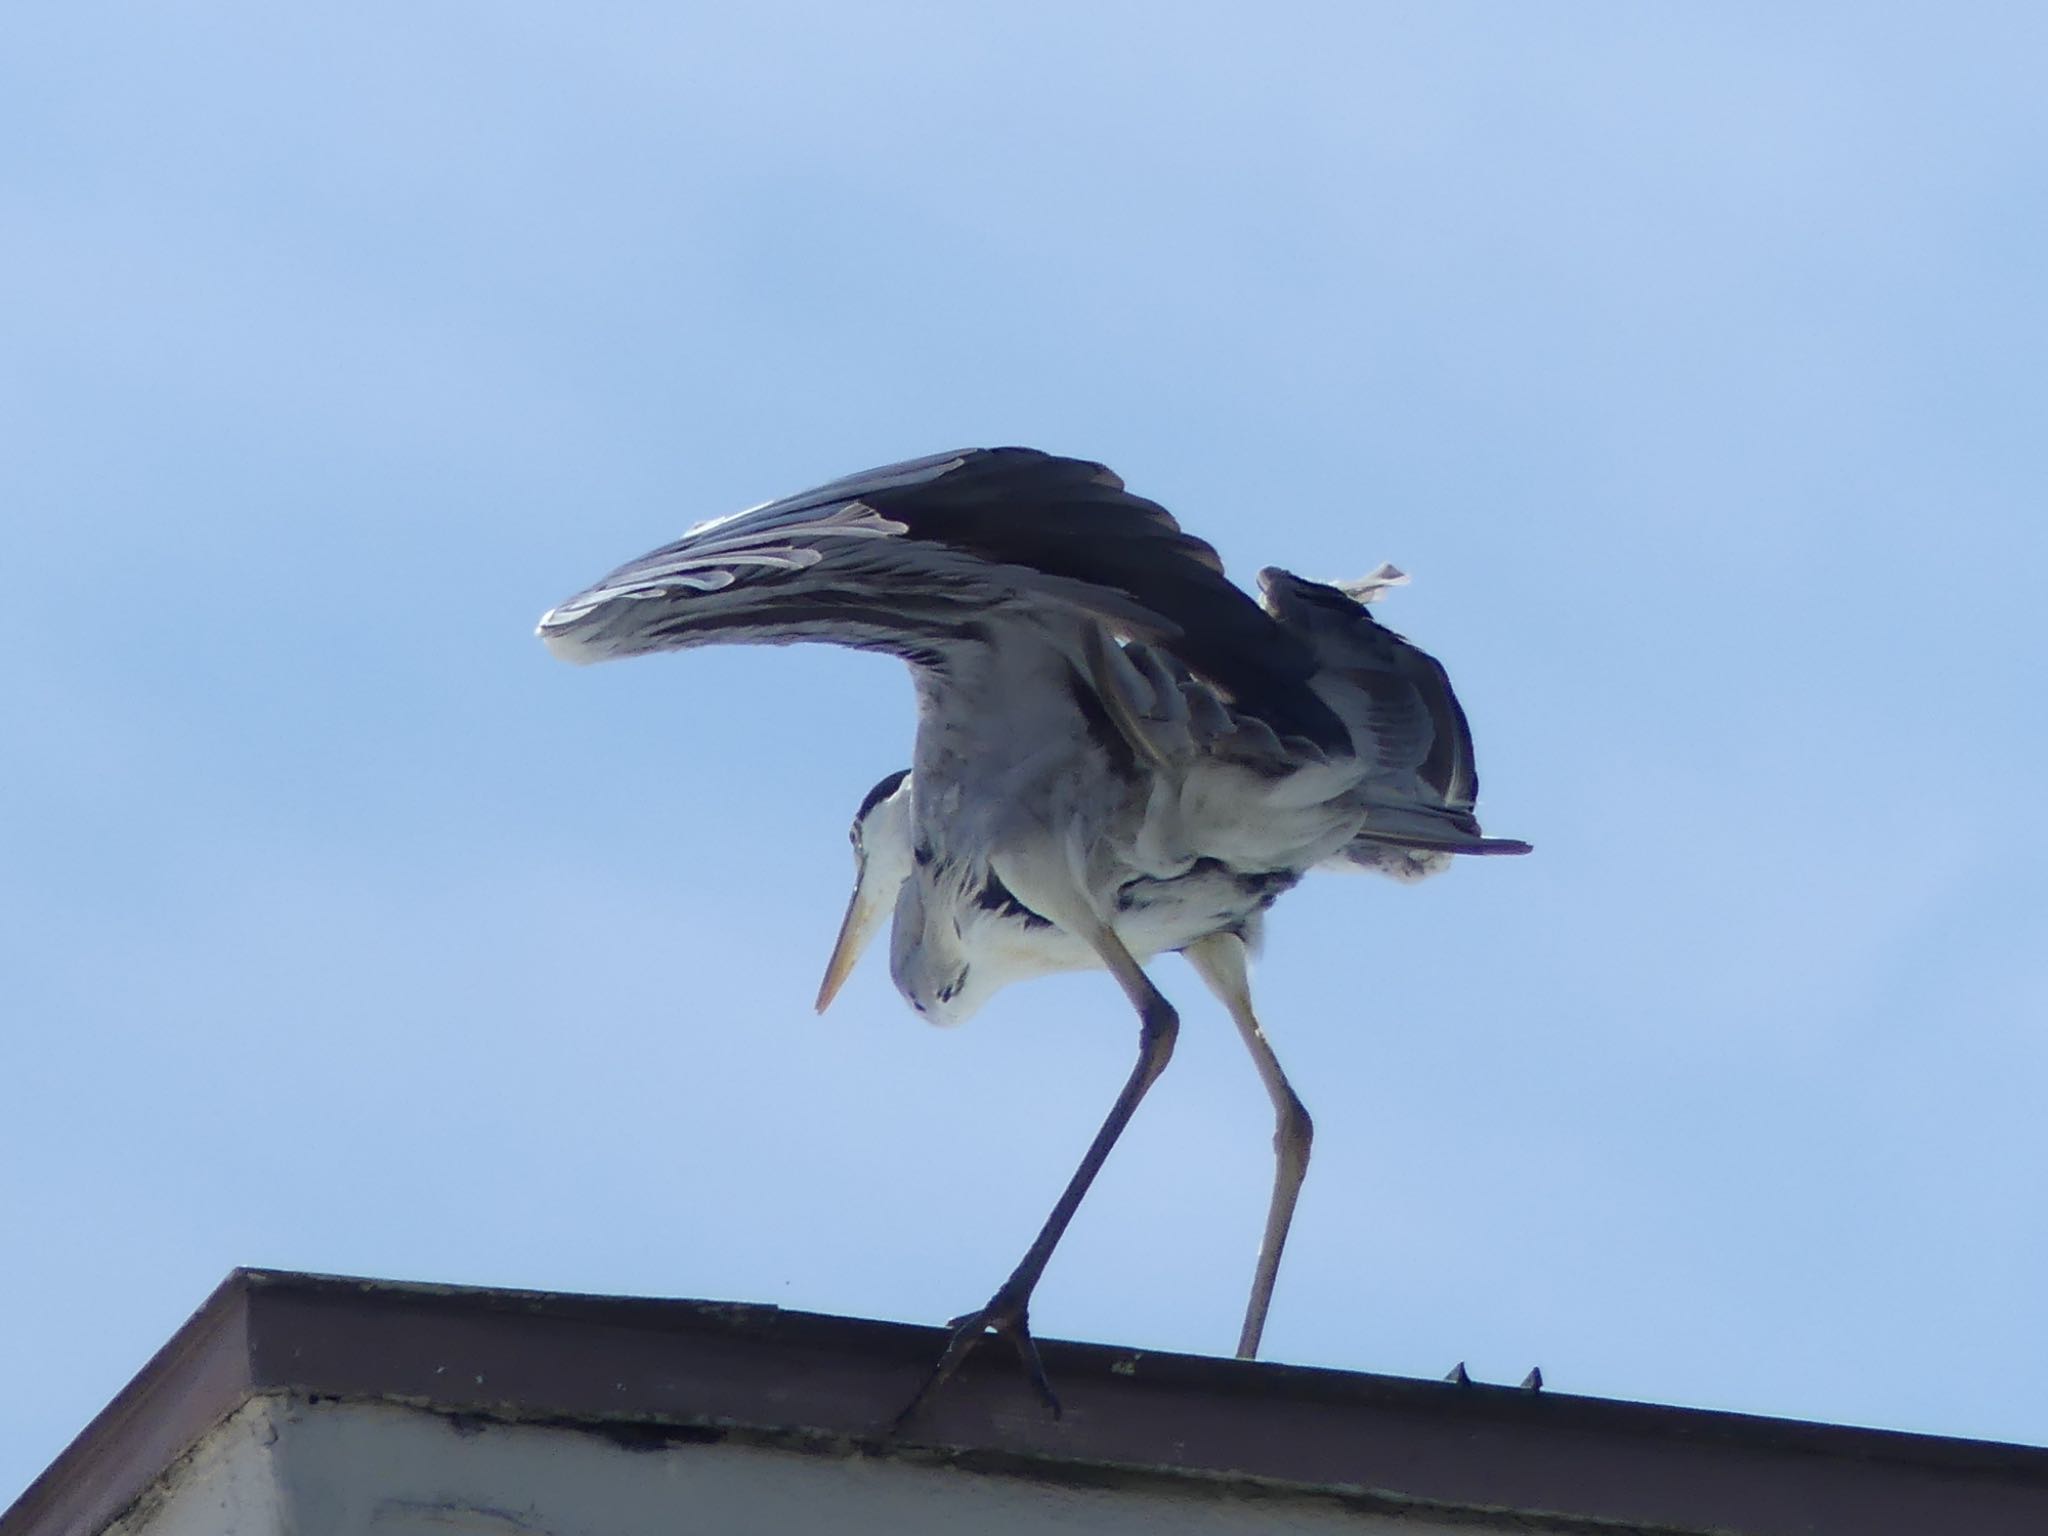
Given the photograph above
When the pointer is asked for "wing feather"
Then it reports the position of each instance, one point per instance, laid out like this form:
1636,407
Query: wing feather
908,557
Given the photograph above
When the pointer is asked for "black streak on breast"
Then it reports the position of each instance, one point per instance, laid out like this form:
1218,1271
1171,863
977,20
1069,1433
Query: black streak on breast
995,897
1256,889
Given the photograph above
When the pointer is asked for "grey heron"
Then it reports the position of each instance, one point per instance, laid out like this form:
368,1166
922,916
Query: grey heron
1118,753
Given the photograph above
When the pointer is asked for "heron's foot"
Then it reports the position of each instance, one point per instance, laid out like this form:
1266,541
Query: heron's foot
1007,1316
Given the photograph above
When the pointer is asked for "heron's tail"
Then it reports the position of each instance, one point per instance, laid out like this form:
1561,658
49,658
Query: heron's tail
1411,852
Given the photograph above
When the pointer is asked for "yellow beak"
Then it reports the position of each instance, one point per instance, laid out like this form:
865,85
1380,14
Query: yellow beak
864,914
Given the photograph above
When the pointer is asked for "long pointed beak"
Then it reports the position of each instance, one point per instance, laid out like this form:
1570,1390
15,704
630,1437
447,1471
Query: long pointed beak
864,914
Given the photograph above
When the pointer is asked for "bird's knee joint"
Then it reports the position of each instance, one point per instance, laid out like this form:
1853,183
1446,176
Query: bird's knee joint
1296,1132
1158,1029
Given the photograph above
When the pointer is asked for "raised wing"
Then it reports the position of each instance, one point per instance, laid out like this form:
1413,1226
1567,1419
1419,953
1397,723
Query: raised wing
922,557
1407,727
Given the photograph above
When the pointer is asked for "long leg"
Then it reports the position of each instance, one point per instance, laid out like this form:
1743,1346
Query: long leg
1219,960
1158,1026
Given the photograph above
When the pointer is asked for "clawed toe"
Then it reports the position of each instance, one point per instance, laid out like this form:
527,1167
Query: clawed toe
1007,1315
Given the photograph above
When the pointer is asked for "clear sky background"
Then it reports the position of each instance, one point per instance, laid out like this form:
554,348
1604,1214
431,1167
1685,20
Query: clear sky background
1690,356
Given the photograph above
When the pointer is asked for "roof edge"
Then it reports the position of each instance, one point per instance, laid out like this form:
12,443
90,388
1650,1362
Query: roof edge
199,1377
655,1371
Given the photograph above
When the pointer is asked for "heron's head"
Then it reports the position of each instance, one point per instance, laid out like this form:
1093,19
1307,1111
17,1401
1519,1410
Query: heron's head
881,863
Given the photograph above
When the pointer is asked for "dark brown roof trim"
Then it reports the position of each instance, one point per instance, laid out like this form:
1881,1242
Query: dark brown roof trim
647,1373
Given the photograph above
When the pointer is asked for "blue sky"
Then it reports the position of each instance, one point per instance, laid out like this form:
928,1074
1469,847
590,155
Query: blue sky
1689,357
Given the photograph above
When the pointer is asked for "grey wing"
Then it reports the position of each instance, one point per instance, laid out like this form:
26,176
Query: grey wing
749,569
918,557
1406,724
1171,716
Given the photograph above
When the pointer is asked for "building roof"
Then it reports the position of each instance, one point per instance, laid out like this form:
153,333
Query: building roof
648,1374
